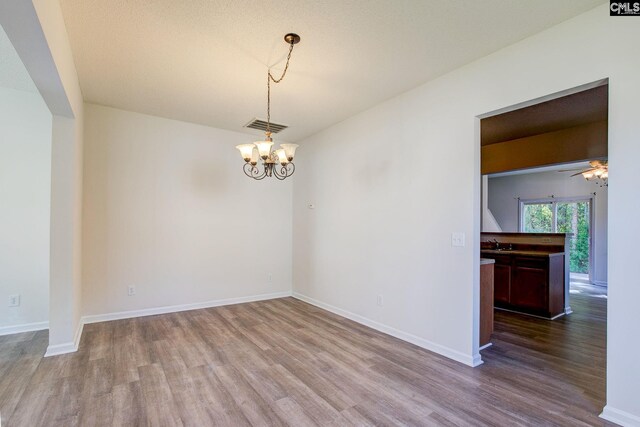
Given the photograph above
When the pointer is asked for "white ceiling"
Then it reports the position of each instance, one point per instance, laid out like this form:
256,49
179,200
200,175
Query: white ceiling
205,61
13,74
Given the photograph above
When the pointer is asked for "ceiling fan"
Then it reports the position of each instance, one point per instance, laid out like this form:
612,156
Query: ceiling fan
598,172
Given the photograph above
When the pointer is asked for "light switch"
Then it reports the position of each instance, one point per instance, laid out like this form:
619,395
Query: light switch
457,239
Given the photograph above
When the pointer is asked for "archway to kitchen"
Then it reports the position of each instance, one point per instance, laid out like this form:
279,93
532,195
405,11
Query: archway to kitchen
543,277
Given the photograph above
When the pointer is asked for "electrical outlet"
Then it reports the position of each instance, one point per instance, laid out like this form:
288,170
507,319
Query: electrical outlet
270,278
14,300
380,300
131,291
457,239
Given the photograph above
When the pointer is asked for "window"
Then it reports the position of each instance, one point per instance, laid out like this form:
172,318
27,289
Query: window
538,218
572,216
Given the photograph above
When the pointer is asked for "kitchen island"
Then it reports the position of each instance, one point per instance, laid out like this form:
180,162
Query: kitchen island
529,272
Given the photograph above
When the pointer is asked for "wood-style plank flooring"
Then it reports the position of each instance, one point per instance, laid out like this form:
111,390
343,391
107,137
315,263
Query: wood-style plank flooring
284,362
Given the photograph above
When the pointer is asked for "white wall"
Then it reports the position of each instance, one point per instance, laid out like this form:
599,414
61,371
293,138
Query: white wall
53,70
504,192
65,292
391,184
25,192
37,31
167,209
489,222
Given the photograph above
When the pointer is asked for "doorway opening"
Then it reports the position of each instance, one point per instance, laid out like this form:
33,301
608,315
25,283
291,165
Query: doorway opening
25,199
537,208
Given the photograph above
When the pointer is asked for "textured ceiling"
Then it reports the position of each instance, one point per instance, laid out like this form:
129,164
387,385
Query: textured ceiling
13,75
205,61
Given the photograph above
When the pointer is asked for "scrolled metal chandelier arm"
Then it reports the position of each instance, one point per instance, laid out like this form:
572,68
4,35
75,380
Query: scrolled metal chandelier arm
285,171
278,163
252,171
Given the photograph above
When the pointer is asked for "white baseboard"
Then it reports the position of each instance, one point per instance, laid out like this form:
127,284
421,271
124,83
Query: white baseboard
534,315
420,342
485,346
64,348
620,417
94,318
54,350
26,327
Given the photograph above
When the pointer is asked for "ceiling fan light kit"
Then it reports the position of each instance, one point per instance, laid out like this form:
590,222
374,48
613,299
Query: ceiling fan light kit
274,163
598,172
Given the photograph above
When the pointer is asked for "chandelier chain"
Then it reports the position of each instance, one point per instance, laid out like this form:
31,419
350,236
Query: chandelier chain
270,79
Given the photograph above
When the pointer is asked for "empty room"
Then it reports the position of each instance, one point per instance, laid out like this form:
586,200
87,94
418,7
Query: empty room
313,213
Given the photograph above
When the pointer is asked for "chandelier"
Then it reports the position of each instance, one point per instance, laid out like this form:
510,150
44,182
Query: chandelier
278,163
598,172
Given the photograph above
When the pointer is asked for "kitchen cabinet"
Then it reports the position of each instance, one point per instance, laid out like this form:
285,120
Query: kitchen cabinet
529,286
502,279
529,282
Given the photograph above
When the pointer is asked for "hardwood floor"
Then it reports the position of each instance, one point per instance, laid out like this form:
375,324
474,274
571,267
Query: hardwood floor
284,362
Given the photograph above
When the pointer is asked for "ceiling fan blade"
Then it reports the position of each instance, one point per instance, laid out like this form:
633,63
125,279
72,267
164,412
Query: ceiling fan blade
585,171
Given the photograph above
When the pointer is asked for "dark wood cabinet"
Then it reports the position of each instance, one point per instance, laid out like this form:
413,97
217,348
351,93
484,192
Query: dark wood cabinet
502,282
529,284
529,288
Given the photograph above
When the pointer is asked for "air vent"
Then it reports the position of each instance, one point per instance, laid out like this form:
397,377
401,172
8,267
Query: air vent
262,125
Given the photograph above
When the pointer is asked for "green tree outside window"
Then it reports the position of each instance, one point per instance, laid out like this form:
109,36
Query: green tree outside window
571,217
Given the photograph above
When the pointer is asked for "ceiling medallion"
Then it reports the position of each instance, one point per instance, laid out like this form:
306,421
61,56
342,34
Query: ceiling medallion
278,163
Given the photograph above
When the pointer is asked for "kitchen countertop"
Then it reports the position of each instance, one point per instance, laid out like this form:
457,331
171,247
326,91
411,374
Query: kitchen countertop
484,261
520,252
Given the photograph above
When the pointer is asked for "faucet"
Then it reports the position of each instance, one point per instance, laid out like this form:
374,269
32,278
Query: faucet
497,244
